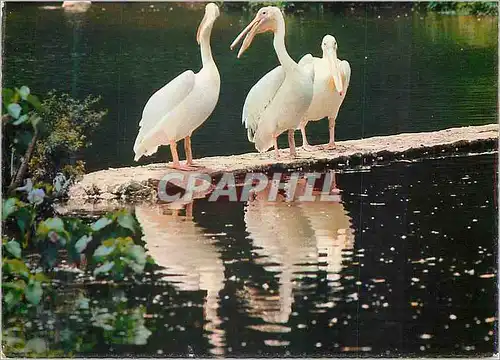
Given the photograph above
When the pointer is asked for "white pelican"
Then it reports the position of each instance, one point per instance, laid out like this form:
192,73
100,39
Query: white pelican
279,101
331,80
181,106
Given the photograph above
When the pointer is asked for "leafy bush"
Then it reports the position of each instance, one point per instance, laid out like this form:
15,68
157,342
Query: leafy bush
69,124
44,139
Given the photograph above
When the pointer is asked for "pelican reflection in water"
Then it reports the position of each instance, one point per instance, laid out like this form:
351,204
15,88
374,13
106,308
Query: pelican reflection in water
177,243
294,237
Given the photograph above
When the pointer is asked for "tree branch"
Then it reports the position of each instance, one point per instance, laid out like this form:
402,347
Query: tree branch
21,172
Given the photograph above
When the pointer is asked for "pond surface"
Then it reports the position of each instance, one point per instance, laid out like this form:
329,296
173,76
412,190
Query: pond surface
403,262
410,71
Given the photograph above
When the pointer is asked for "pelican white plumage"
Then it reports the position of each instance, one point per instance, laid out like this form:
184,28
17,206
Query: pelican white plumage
181,106
331,81
279,101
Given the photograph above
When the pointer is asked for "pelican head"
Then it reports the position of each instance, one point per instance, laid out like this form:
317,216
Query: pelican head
329,47
265,20
211,14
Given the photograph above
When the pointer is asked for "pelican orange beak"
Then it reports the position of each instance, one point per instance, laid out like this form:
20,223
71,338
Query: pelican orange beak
335,70
252,29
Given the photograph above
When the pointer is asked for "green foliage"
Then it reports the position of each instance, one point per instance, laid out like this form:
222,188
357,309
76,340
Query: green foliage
479,8
118,255
20,286
20,121
68,125
48,136
35,239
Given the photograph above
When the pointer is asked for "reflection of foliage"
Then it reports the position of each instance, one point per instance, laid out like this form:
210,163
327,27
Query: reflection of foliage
463,30
73,322
68,123
449,7
464,8
122,326
24,284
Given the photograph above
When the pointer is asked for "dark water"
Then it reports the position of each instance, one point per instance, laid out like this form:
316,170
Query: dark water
410,71
403,264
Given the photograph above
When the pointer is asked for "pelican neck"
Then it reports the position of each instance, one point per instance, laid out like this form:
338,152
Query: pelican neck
279,44
205,48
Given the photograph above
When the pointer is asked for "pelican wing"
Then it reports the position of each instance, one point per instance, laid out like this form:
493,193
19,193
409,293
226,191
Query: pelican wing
345,69
306,59
164,101
259,98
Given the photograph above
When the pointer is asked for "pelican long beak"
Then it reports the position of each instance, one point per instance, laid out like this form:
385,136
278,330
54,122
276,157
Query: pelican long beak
335,70
251,29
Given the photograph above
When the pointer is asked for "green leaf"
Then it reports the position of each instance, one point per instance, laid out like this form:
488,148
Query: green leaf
14,110
14,248
103,250
34,292
19,285
101,224
33,100
49,256
40,277
103,269
137,268
138,254
127,221
51,224
24,91
21,119
82,243
12,299
7,95
9,206
16,266
24,218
